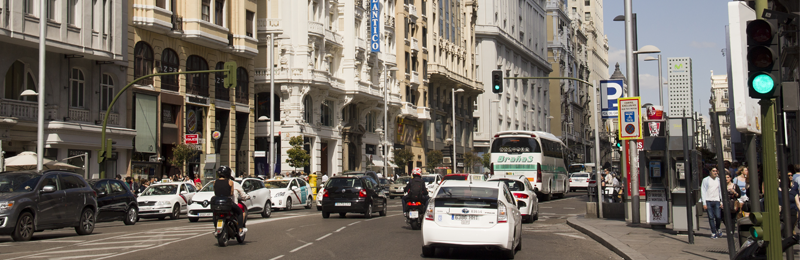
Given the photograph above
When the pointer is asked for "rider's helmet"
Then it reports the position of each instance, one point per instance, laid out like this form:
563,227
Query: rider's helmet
416,172
224,172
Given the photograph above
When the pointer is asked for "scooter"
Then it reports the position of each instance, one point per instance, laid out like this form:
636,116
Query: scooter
225,222
752,249
416,210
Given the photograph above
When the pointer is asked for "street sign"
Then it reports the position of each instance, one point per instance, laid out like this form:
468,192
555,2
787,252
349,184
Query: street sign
610,91
375,25
630,124
191,138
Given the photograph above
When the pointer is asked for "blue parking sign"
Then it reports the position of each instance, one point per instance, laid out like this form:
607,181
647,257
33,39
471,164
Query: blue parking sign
630,117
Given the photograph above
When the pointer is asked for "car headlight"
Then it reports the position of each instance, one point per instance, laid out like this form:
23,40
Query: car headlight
6,205
280,194
162,203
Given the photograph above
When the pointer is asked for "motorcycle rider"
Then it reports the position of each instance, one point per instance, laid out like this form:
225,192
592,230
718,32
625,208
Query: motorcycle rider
415,191
224,187
238,199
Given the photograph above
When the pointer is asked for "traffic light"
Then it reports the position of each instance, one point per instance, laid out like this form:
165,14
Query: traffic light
497,81
617,143
230,74
757,230
763,80
105,151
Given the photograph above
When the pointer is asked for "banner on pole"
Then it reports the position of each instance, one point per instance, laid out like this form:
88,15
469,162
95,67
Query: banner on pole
375,24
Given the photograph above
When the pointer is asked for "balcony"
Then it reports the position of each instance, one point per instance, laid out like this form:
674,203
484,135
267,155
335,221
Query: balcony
408,110
388,21
334,37
389,58
151,17
415,78
414,45
268,25
412,11
361,44
19,109
80,115
424,113
316,29
205,33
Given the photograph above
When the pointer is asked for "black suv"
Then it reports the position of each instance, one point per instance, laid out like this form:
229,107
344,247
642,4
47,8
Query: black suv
358,194
116,201
33,201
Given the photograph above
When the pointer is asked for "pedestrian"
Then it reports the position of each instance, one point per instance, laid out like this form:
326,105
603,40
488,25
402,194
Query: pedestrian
324,178
197,180
794,205
143,186
118,177
711,196
129,182
733,168
741,179
733,196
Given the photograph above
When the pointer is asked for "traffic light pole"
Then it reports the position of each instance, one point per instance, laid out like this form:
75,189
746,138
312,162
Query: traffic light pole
772,221
105,145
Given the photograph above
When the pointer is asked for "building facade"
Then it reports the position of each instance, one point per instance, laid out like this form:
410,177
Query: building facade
85,61
178,36
512,37
597,45
680,95
719,101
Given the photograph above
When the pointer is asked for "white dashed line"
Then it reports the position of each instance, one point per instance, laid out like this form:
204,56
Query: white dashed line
300,247
323,237
547,207
569,208
340,229
277,257
82,256
354,223
289,229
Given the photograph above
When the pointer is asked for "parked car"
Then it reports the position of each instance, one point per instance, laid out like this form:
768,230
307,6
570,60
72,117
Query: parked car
579,180
286,191
384,182
33,201
353,194
522,190
115,201
396,189
460,210
319,198
259,202
165,200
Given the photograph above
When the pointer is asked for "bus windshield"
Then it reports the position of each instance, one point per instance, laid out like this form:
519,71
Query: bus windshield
515,145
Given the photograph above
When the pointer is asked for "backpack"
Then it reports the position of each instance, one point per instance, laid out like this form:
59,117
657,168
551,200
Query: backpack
416,189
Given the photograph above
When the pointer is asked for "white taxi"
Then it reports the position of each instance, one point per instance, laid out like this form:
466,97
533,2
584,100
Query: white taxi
432,182
522,191
259,202
288,191
460,209
165,200
319,198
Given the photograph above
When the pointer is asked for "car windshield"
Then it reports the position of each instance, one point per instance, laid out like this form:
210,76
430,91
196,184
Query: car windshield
460,197
403,180
428,179
276,184
210,186
580,175
343,182
18,182
160,190
513,185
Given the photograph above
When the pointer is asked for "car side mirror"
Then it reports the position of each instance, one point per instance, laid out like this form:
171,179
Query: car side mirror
48,189
101,193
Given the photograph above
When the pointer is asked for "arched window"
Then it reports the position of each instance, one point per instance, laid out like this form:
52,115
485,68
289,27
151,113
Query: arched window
308,109
197,84
77,85
169,63
16,82
242,85
220,92
143,62
106,92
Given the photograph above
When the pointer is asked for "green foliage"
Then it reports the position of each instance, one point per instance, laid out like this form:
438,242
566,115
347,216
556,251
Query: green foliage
402,157
470,158
298,157
487,160
434,159
181,154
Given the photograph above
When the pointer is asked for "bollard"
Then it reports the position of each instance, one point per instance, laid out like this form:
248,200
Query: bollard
312,180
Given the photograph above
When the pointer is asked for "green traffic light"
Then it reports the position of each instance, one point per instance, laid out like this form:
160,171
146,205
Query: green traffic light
763,83
496,86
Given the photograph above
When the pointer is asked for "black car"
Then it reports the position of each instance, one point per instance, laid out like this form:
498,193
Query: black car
115,201
32,201
357,194
372,174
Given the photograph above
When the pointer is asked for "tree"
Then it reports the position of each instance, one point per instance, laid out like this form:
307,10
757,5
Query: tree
434,159
470,158
487,160
181,154
402,157
298,157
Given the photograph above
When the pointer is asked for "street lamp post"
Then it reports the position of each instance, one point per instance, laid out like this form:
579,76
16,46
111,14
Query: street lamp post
385,142
40,120
635,43
660,80
453,137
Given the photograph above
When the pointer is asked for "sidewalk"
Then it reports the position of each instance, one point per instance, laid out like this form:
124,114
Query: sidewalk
643,242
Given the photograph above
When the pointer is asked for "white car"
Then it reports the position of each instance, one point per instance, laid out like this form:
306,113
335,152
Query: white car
578,180
461,210
319,198
521,189
259,202
432,182
165,200
289,191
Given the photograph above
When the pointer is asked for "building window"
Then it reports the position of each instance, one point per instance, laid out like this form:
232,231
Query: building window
169,63
71,11
587,2
219,10
308,109
161,3
249,25
197,84
475,124
106,92
370,122
16,82
76,89
51,9
27,6
220,92
206,10
242,86
326,113
587,16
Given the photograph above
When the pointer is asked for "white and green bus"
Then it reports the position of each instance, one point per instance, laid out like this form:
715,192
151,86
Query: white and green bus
539,156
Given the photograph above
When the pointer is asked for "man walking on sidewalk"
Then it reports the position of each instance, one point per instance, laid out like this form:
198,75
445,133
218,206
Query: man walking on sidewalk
711,196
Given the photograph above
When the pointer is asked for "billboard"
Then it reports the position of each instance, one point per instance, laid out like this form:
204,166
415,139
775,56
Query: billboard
375,25
610,91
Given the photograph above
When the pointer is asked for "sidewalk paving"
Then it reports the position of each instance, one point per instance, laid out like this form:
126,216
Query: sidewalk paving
642,242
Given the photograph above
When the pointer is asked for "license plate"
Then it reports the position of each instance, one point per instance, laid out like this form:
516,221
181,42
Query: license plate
145,208
219,224
205,214
345,204
413,214
465,217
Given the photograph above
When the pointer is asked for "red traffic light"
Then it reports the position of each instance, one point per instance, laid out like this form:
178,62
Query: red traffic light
760,57
760,31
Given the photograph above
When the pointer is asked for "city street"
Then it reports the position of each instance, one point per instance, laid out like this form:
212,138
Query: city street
302,234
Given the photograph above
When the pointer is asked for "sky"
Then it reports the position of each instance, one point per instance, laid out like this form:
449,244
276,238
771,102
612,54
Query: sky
679,28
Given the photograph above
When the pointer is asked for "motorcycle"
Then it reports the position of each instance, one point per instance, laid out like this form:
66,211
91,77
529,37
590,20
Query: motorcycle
225,222
416,211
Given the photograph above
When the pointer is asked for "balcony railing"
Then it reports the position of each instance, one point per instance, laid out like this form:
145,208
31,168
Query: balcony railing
242,97
415,78
388,21
414,44
222,93
264,25
19,109
412,11
316,28
197,89
409,110
80,115
424,113
177,23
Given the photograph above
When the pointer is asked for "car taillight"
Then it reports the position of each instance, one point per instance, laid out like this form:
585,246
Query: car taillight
592,182
491,168
362,193
570,180
429,211
539,172
325,194
502,214
414,203
521,195
221,215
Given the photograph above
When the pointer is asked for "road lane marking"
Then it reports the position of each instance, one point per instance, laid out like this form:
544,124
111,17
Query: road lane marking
323,237
82,256
61,241
151,247
300,247
568,208
547,207
571,235
340,229
289,229
277,257
354,223
163,235
124,242
94,249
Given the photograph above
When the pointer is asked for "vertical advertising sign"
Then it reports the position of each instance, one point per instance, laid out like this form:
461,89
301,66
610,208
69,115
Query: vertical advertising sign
375,25
630,124
610,91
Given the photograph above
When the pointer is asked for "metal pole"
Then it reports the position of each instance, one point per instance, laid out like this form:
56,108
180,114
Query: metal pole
726,203
40,120
782,176
635,55
752,161
630,63
271,63
596,145
660,84
772,222
453,126
2,158
385,121
687,175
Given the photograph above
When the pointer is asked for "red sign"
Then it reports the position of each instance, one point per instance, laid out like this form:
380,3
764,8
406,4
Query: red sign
640,147
190,138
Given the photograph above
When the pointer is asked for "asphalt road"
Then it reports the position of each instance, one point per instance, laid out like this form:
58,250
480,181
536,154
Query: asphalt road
302,234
